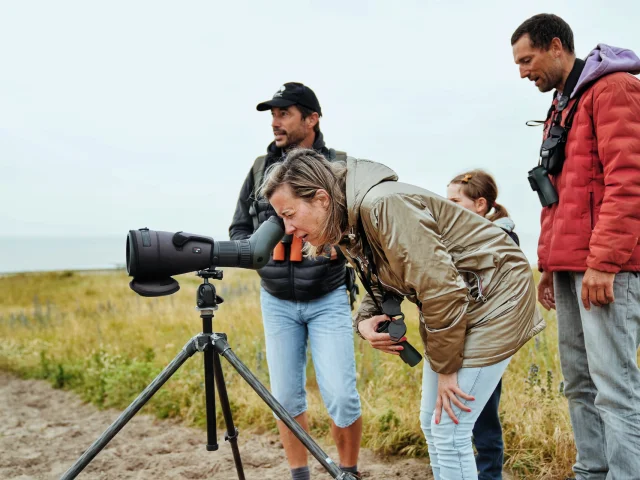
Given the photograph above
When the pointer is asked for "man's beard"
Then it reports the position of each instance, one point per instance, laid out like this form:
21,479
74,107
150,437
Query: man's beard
291,146
293,140
554,79
545,87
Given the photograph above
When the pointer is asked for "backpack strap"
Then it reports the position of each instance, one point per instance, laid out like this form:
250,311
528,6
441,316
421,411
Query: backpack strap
257,171
337,155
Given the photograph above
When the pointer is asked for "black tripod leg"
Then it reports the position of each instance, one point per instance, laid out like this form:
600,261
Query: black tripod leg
188,350
210,399
222,347
232,431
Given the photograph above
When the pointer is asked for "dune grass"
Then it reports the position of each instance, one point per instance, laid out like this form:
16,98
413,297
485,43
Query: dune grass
88,332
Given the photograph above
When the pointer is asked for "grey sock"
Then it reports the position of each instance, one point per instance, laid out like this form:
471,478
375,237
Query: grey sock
353,469
300,473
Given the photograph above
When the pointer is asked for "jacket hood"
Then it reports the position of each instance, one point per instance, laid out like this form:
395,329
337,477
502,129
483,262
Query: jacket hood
605,59
505,223
362,176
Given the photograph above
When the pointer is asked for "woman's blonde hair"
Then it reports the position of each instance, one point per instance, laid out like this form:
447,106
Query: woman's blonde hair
307,171
477,184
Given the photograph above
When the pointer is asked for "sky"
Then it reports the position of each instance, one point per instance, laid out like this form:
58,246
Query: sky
120,115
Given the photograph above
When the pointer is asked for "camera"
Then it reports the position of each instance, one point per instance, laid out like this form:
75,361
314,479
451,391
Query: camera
154,256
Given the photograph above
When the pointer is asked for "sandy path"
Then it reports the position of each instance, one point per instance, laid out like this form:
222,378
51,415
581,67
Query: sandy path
43,431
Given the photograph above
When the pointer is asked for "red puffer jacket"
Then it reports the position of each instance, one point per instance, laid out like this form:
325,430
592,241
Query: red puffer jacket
596,222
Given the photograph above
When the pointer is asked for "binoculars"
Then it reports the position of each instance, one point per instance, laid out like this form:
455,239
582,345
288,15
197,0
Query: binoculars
408,354
541,184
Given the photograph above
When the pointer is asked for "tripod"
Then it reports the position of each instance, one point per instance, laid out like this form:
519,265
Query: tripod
213,345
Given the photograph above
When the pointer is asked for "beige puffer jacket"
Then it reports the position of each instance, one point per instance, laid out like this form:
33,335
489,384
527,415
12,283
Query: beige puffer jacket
472,284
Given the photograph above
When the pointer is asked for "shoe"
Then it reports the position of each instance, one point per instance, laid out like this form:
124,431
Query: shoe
357,475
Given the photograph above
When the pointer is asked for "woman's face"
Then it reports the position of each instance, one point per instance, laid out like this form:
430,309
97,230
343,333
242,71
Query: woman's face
456,195
302,218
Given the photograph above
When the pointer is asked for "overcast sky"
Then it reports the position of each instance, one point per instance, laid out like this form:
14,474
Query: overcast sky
117,115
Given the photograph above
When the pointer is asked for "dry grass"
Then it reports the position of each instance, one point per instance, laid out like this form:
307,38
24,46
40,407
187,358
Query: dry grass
90,333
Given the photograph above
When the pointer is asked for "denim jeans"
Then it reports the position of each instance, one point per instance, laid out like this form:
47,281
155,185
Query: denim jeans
598,355
325,323
450,450
487,438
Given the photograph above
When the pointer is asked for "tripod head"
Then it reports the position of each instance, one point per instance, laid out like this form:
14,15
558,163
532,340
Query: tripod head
206,297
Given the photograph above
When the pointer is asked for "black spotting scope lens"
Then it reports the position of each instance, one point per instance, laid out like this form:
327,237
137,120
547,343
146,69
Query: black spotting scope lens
154,256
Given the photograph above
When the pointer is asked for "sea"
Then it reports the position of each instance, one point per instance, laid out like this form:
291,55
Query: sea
41,254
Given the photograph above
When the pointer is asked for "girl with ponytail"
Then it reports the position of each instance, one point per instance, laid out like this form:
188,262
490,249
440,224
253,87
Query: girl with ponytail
477,191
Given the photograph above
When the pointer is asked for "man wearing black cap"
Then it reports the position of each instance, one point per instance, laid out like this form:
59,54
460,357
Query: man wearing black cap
303,300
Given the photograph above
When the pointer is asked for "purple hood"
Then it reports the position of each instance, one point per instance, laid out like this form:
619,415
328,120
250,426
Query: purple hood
605,59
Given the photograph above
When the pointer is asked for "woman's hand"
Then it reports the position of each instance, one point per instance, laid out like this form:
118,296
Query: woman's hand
381,341
448,393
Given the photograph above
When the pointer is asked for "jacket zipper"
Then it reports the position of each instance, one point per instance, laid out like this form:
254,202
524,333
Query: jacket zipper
591,209
287,255
480,297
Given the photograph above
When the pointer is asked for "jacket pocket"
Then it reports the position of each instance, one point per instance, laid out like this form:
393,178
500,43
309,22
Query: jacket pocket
497,312
451,326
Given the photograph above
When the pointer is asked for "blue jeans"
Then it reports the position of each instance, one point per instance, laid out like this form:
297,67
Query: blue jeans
598,355
326,324
487,437
450,450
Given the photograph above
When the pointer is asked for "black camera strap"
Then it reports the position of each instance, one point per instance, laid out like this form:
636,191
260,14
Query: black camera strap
390,302
563,100
552,155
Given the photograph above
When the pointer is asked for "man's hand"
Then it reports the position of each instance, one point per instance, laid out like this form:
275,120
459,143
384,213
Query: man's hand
546,297
381,341
597,288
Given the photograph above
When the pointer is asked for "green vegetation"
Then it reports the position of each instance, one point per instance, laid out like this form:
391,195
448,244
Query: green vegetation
88,332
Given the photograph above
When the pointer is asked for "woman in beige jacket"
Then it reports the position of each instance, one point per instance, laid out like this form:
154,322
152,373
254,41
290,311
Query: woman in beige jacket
472,284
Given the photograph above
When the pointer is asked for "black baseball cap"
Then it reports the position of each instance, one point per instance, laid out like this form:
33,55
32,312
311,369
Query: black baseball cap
292,93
